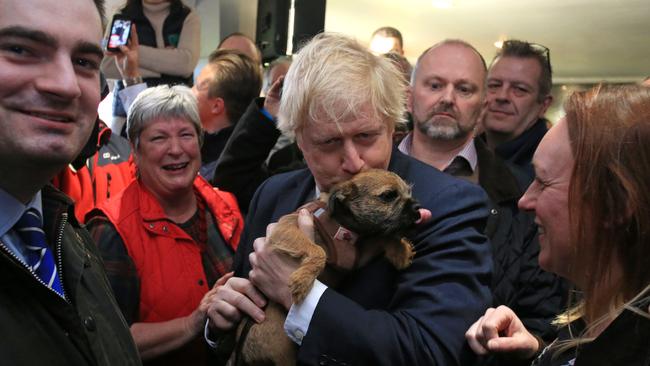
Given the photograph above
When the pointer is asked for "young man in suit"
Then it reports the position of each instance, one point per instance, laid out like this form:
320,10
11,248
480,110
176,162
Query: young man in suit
342,104
57,306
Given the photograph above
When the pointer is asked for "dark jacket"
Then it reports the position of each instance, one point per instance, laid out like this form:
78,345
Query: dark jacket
381,316
241,167
520,150
213,145
625,341
518,282
39,327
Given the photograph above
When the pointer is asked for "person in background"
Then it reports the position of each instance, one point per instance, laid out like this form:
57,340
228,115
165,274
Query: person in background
518,94
591,202
102,169
241,42
169,37
168,237
57,307
342,102
224,89
385,40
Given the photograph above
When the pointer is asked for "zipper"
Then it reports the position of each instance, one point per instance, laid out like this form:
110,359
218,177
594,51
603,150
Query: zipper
59,252
6,249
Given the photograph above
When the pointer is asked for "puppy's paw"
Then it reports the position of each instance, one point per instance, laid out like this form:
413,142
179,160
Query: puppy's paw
300,286
400,254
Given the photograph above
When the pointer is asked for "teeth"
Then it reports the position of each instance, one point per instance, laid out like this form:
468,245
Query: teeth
50,117
175,166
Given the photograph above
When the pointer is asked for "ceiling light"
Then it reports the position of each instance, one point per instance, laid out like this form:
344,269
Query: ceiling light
498,44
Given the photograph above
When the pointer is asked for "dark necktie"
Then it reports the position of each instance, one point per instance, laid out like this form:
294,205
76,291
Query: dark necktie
459,167
39,255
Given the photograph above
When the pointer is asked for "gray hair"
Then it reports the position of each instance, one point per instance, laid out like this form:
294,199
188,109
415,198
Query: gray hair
162,101
332,78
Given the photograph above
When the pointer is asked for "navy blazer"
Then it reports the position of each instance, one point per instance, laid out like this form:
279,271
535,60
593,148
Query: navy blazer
382,316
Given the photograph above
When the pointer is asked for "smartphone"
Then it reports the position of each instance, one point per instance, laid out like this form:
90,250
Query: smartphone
120,31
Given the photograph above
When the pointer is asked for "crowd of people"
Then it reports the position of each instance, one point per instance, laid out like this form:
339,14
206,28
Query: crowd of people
146,242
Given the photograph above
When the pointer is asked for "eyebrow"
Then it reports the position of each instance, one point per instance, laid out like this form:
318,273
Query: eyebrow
44,38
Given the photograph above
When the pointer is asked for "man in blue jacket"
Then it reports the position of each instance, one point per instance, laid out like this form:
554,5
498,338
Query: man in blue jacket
342,104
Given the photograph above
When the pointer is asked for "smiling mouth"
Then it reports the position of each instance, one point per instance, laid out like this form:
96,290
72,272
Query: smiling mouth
175,167
49,117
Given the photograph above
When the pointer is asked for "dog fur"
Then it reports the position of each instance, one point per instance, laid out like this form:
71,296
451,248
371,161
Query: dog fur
378,207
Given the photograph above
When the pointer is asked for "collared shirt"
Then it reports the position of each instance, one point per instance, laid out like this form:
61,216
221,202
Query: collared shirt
12,211
468,152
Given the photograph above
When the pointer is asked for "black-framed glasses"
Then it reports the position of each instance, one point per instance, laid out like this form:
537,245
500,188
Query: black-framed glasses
537,48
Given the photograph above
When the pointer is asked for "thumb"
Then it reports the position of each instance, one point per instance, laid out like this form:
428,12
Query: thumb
306,223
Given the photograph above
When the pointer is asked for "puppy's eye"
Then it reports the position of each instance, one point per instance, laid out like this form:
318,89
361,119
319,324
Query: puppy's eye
388,196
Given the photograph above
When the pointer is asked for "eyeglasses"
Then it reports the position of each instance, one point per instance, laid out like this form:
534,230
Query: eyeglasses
537,48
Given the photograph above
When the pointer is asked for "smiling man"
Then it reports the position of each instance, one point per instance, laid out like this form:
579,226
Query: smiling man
518,94
342,104
56,303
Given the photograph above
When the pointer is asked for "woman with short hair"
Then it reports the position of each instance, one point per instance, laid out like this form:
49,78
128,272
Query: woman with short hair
169,235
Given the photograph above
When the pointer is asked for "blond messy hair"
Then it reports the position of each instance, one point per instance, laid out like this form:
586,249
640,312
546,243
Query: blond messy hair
334,78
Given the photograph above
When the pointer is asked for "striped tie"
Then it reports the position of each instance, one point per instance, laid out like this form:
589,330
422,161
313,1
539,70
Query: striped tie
39,255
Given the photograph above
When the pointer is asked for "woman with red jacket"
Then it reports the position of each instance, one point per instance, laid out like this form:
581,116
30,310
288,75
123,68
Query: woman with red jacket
169,235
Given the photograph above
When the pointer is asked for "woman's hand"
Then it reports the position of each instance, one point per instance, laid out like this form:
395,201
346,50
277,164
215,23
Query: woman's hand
228,303
501,331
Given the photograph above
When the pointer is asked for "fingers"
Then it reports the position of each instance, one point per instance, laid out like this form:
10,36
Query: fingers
230,301
276,87
306,223
501,331
223,279
133,38
474,344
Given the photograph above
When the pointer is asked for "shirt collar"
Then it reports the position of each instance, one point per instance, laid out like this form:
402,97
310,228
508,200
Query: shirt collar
468,151
12,209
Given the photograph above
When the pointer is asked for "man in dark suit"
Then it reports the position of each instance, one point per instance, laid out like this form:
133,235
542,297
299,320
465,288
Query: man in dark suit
342,103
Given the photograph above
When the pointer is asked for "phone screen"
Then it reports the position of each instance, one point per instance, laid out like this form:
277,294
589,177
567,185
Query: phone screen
120,30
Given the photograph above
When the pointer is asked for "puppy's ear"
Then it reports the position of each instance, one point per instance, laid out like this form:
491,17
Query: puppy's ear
341,194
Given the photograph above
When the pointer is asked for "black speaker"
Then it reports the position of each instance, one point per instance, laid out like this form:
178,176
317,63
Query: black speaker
272,27
309,20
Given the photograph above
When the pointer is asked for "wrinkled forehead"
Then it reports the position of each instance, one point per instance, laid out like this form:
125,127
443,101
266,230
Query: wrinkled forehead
521,69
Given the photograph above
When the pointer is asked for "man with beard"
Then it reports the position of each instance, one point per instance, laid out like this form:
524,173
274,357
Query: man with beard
445,99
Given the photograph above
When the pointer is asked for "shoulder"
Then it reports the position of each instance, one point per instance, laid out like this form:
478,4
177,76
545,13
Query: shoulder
432,186
119,207
285,181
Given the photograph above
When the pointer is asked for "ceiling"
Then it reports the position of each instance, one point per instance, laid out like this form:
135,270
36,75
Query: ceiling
590,40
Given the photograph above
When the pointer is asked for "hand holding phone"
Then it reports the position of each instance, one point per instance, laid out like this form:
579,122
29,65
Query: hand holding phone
120,31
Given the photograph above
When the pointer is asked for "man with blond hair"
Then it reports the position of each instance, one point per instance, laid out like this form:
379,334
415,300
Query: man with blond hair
342,103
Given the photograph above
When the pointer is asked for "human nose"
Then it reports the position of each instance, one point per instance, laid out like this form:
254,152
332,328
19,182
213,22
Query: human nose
448,95
352,161
59,79
528,200
501,95
175,146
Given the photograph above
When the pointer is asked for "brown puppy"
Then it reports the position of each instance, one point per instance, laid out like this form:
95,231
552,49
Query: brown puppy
359,220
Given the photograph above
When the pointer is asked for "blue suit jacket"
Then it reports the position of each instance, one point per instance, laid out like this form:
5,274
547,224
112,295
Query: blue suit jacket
381,316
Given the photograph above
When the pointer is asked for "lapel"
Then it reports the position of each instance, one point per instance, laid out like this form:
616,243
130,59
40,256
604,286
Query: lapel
298,190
